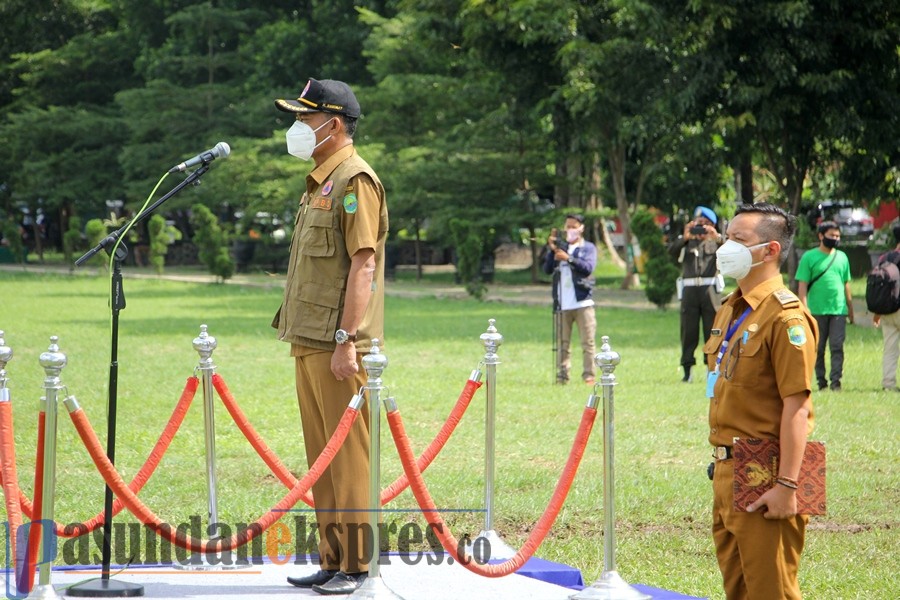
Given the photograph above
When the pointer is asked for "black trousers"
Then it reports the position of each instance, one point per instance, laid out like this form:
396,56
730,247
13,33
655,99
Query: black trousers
832,331
698,303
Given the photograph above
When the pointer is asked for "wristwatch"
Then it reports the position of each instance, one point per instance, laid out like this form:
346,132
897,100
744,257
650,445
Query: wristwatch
342,337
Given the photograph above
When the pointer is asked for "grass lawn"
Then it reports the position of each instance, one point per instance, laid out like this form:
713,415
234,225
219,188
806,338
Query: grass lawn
662,497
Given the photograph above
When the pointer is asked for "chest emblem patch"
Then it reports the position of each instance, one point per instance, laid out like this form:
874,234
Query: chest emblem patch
797,335
350,203
326,189
321,203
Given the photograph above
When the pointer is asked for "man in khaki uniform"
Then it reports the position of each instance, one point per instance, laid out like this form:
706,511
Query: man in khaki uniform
760,354
333,307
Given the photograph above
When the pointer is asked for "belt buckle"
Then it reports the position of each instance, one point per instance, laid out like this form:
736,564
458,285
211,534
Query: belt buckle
721,453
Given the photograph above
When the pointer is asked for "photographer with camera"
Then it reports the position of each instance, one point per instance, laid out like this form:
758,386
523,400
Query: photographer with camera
572,262
700,285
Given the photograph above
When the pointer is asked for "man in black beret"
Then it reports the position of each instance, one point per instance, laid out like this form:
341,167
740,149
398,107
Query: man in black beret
333,308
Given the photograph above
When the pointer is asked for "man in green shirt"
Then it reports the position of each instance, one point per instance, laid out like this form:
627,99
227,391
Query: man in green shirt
824,277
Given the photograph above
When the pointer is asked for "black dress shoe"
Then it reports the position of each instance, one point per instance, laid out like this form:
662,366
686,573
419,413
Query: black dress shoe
317,578
342,583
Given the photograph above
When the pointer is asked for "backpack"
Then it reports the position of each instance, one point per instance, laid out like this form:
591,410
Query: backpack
883,287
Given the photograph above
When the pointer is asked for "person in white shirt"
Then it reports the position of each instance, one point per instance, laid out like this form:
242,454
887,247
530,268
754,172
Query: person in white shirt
572,264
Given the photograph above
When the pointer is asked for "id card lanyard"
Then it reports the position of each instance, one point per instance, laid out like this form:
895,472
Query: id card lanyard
714,375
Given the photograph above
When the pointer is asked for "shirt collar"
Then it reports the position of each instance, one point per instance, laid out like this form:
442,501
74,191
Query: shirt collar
321,173
761,291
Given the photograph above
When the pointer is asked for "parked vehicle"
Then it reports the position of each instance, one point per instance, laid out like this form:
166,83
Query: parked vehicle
855,222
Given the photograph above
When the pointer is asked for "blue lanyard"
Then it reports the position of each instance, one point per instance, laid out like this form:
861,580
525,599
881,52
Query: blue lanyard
729,334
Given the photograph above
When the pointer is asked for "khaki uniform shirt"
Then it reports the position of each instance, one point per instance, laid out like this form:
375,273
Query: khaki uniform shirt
770,357
342,212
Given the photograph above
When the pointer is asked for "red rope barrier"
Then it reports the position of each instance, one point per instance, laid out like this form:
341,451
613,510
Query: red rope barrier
437,444
146,516
450,543
287,478
140,479
10,476
240,419
26,581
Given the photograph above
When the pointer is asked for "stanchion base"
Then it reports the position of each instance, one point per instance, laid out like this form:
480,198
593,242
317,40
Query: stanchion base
490,546
43,591
374,588
105,588
610,586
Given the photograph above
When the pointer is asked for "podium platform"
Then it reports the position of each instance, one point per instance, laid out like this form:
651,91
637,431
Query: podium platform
538,580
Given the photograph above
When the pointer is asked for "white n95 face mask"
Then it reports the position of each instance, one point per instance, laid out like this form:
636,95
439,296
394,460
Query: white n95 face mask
734,259
301,139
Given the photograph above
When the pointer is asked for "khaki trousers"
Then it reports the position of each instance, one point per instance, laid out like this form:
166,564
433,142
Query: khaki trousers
342,492
587,329
759,559
890,328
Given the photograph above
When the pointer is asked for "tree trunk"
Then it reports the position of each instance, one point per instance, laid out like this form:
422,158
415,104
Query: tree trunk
597,201
418,247
617,172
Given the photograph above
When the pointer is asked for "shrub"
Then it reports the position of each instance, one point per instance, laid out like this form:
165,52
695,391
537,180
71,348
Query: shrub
161,235
211,242
661,273
95,231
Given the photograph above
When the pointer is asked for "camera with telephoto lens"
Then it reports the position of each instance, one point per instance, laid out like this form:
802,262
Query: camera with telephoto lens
698,230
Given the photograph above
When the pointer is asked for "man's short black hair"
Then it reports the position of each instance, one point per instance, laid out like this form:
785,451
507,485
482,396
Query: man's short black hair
896,231
577,216
826,226
777,225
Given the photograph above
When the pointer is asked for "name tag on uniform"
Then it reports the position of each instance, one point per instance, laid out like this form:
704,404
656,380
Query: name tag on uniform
711,379
321,203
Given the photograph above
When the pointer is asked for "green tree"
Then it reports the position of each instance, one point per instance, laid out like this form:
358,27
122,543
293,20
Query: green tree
211,242
72,240
661,273
95,231
161,235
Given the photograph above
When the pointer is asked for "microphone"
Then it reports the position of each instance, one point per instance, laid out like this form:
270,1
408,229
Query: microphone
221,150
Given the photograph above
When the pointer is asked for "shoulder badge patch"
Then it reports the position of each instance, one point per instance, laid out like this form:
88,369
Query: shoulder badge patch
797,335
787,298
350,203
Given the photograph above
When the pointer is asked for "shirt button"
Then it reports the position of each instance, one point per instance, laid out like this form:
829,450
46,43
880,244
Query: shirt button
713,430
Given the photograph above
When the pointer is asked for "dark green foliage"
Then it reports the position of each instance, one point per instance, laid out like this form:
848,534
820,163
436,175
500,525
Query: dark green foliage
469,246
159,242
72,239
95,231
12,239
661,273
211,242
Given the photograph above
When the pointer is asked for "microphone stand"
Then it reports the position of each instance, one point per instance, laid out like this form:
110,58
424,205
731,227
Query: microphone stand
105,587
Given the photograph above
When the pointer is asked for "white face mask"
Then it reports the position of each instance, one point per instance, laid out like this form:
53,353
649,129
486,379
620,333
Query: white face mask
572,235
734,259
301,139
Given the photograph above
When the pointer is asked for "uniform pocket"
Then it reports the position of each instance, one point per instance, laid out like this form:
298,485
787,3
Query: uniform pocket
317,237
317,313
740,365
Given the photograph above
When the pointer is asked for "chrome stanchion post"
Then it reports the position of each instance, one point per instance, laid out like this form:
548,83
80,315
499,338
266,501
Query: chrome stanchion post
491,339
204,344
52,361
374,587
610,586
